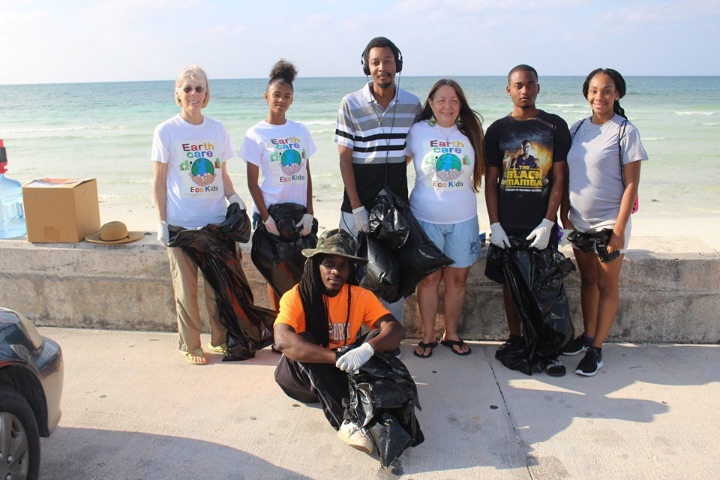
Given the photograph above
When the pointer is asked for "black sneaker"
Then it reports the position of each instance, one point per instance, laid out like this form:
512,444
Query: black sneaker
510,344
555,368
591,363
579,345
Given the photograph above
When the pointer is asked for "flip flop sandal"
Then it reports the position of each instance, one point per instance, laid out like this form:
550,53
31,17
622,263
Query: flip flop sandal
221,349
451,343
424,345
192,357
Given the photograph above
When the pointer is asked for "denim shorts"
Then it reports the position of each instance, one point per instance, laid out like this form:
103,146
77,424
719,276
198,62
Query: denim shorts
459,241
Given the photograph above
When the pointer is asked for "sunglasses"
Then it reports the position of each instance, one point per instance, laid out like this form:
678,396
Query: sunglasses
198,89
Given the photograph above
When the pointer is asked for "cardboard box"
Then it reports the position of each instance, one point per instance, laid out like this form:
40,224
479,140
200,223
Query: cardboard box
61,210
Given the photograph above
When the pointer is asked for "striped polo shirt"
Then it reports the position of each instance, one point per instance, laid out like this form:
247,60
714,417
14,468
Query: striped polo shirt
376,136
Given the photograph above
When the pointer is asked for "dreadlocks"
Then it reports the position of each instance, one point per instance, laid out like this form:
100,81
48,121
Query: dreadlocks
311,290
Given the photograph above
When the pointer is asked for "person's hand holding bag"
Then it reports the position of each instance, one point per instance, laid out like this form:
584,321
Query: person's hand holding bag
351,361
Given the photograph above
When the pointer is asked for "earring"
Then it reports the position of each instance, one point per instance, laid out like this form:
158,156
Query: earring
432,121
459,122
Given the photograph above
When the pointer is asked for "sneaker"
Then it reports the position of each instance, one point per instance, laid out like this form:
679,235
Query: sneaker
355,436
591,363
510,344
555,368
579,345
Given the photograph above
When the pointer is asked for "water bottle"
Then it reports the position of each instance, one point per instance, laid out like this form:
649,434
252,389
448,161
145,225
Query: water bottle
12,217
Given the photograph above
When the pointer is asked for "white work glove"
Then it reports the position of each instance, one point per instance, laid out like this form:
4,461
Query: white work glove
356,358
362,219
306,224
270,226
163,234
235,198
498,237
541,234
564,237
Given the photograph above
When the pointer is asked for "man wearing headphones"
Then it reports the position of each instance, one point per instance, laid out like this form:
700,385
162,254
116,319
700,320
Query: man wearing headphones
371,129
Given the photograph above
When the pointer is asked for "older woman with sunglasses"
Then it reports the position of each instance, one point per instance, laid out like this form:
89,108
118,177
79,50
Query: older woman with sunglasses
191,189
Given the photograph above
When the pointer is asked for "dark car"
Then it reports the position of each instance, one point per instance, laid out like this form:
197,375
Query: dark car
31,383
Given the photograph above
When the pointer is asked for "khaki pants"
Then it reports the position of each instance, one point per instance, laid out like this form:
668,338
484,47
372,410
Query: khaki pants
185,284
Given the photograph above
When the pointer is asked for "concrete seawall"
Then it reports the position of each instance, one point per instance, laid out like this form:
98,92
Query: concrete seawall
669,291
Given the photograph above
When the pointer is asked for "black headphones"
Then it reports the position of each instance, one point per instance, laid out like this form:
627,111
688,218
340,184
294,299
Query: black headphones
381,42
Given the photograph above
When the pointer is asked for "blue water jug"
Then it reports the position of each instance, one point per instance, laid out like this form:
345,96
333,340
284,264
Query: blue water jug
12,217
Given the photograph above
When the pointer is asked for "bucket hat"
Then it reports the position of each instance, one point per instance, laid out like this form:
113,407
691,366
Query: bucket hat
335,242
114,233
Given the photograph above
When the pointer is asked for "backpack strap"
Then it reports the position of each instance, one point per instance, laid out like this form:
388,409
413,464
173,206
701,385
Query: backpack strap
578,127
621,135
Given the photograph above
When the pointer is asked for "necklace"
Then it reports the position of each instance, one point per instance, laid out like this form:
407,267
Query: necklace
446,132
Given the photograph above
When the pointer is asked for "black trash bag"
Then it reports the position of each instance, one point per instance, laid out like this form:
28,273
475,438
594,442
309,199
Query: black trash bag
418,256
386,223
596,242
381,275
279,259
535,280
383,398
213,249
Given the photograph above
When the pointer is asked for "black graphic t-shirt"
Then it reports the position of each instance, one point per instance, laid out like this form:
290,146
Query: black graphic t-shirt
524,151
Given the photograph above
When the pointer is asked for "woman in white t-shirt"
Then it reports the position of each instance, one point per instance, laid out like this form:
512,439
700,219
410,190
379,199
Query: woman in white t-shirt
279,149
191,189
447,149
604,173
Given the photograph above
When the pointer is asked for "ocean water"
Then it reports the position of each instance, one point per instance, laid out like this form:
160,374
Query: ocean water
104,130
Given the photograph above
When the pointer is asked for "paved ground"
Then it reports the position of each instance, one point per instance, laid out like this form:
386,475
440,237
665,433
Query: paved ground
133,409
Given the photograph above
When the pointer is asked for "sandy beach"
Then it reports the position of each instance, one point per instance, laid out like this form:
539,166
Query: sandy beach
703,227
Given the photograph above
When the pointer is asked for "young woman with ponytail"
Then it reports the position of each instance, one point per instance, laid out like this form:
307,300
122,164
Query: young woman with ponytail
604,173
280,150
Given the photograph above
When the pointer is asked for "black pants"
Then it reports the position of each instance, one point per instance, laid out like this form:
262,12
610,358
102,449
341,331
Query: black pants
317,382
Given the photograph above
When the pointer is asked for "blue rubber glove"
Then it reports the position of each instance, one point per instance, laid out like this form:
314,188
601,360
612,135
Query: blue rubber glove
356,358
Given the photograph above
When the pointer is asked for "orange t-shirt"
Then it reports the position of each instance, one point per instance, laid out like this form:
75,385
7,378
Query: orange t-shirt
365,309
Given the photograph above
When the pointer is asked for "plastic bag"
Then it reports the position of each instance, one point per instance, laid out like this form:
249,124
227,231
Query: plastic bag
419,257
279,259
213,249
381,275
386,222
383,398
416,258
535,280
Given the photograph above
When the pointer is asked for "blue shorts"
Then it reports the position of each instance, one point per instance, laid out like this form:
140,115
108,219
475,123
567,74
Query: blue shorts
459,241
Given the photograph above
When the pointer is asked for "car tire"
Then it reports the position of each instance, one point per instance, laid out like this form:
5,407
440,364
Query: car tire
19,438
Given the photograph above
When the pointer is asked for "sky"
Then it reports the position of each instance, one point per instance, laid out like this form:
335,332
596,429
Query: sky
59,41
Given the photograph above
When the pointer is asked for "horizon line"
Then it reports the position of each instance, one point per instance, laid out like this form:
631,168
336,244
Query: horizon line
329,77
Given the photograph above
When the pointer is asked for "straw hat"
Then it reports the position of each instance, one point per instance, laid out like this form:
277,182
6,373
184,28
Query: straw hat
114,232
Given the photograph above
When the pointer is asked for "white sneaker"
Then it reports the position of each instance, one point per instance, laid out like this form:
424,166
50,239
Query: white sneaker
355,436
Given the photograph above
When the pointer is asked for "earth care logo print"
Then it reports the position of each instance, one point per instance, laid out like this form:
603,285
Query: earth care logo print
290,155
447,162
201,167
